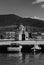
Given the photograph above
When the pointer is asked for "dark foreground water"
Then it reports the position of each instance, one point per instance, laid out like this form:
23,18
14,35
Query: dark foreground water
22,58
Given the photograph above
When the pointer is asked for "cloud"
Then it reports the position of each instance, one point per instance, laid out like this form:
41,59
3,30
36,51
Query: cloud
35,17
42,6
37,1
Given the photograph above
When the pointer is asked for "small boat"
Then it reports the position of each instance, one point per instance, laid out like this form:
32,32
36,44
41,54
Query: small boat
15,54
36,48
14,47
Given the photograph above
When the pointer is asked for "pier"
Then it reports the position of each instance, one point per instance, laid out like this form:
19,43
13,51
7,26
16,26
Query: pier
32,44
28,42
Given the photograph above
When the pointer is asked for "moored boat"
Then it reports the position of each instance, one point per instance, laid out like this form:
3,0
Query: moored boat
14,47
36,48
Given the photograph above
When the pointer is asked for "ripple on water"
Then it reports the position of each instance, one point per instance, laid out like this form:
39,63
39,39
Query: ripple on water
22,59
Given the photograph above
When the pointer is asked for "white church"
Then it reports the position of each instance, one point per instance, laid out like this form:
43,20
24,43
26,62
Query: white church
23,34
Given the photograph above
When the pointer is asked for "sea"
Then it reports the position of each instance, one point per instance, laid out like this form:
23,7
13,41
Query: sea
22,58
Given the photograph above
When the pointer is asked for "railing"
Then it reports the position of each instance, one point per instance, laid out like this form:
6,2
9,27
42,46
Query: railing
31,39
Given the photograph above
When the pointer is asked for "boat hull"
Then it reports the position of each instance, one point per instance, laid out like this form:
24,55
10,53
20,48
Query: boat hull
14,48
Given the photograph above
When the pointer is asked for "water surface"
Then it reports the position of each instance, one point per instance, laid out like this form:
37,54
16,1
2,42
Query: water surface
22,58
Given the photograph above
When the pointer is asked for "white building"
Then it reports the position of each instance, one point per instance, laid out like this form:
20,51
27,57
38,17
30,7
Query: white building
23,34
10,35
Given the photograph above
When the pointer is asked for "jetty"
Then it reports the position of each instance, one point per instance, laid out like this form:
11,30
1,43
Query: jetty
29,42
34,43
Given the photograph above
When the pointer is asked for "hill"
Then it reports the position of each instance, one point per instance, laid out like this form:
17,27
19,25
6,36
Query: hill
11,19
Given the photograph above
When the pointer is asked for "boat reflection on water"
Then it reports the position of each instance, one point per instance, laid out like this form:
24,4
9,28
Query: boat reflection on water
22,58
25,57
15,54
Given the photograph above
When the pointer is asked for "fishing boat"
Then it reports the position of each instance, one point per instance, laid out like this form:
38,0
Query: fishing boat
14,47
36,48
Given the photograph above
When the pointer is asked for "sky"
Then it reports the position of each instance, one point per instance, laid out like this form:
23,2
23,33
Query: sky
23,8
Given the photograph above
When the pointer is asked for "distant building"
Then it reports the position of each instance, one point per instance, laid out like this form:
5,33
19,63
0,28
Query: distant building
21,32
10,35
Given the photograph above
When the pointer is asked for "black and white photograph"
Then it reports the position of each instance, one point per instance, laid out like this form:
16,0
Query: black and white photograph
21,32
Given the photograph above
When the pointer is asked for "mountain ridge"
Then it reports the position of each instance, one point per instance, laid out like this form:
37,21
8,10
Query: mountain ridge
12,19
